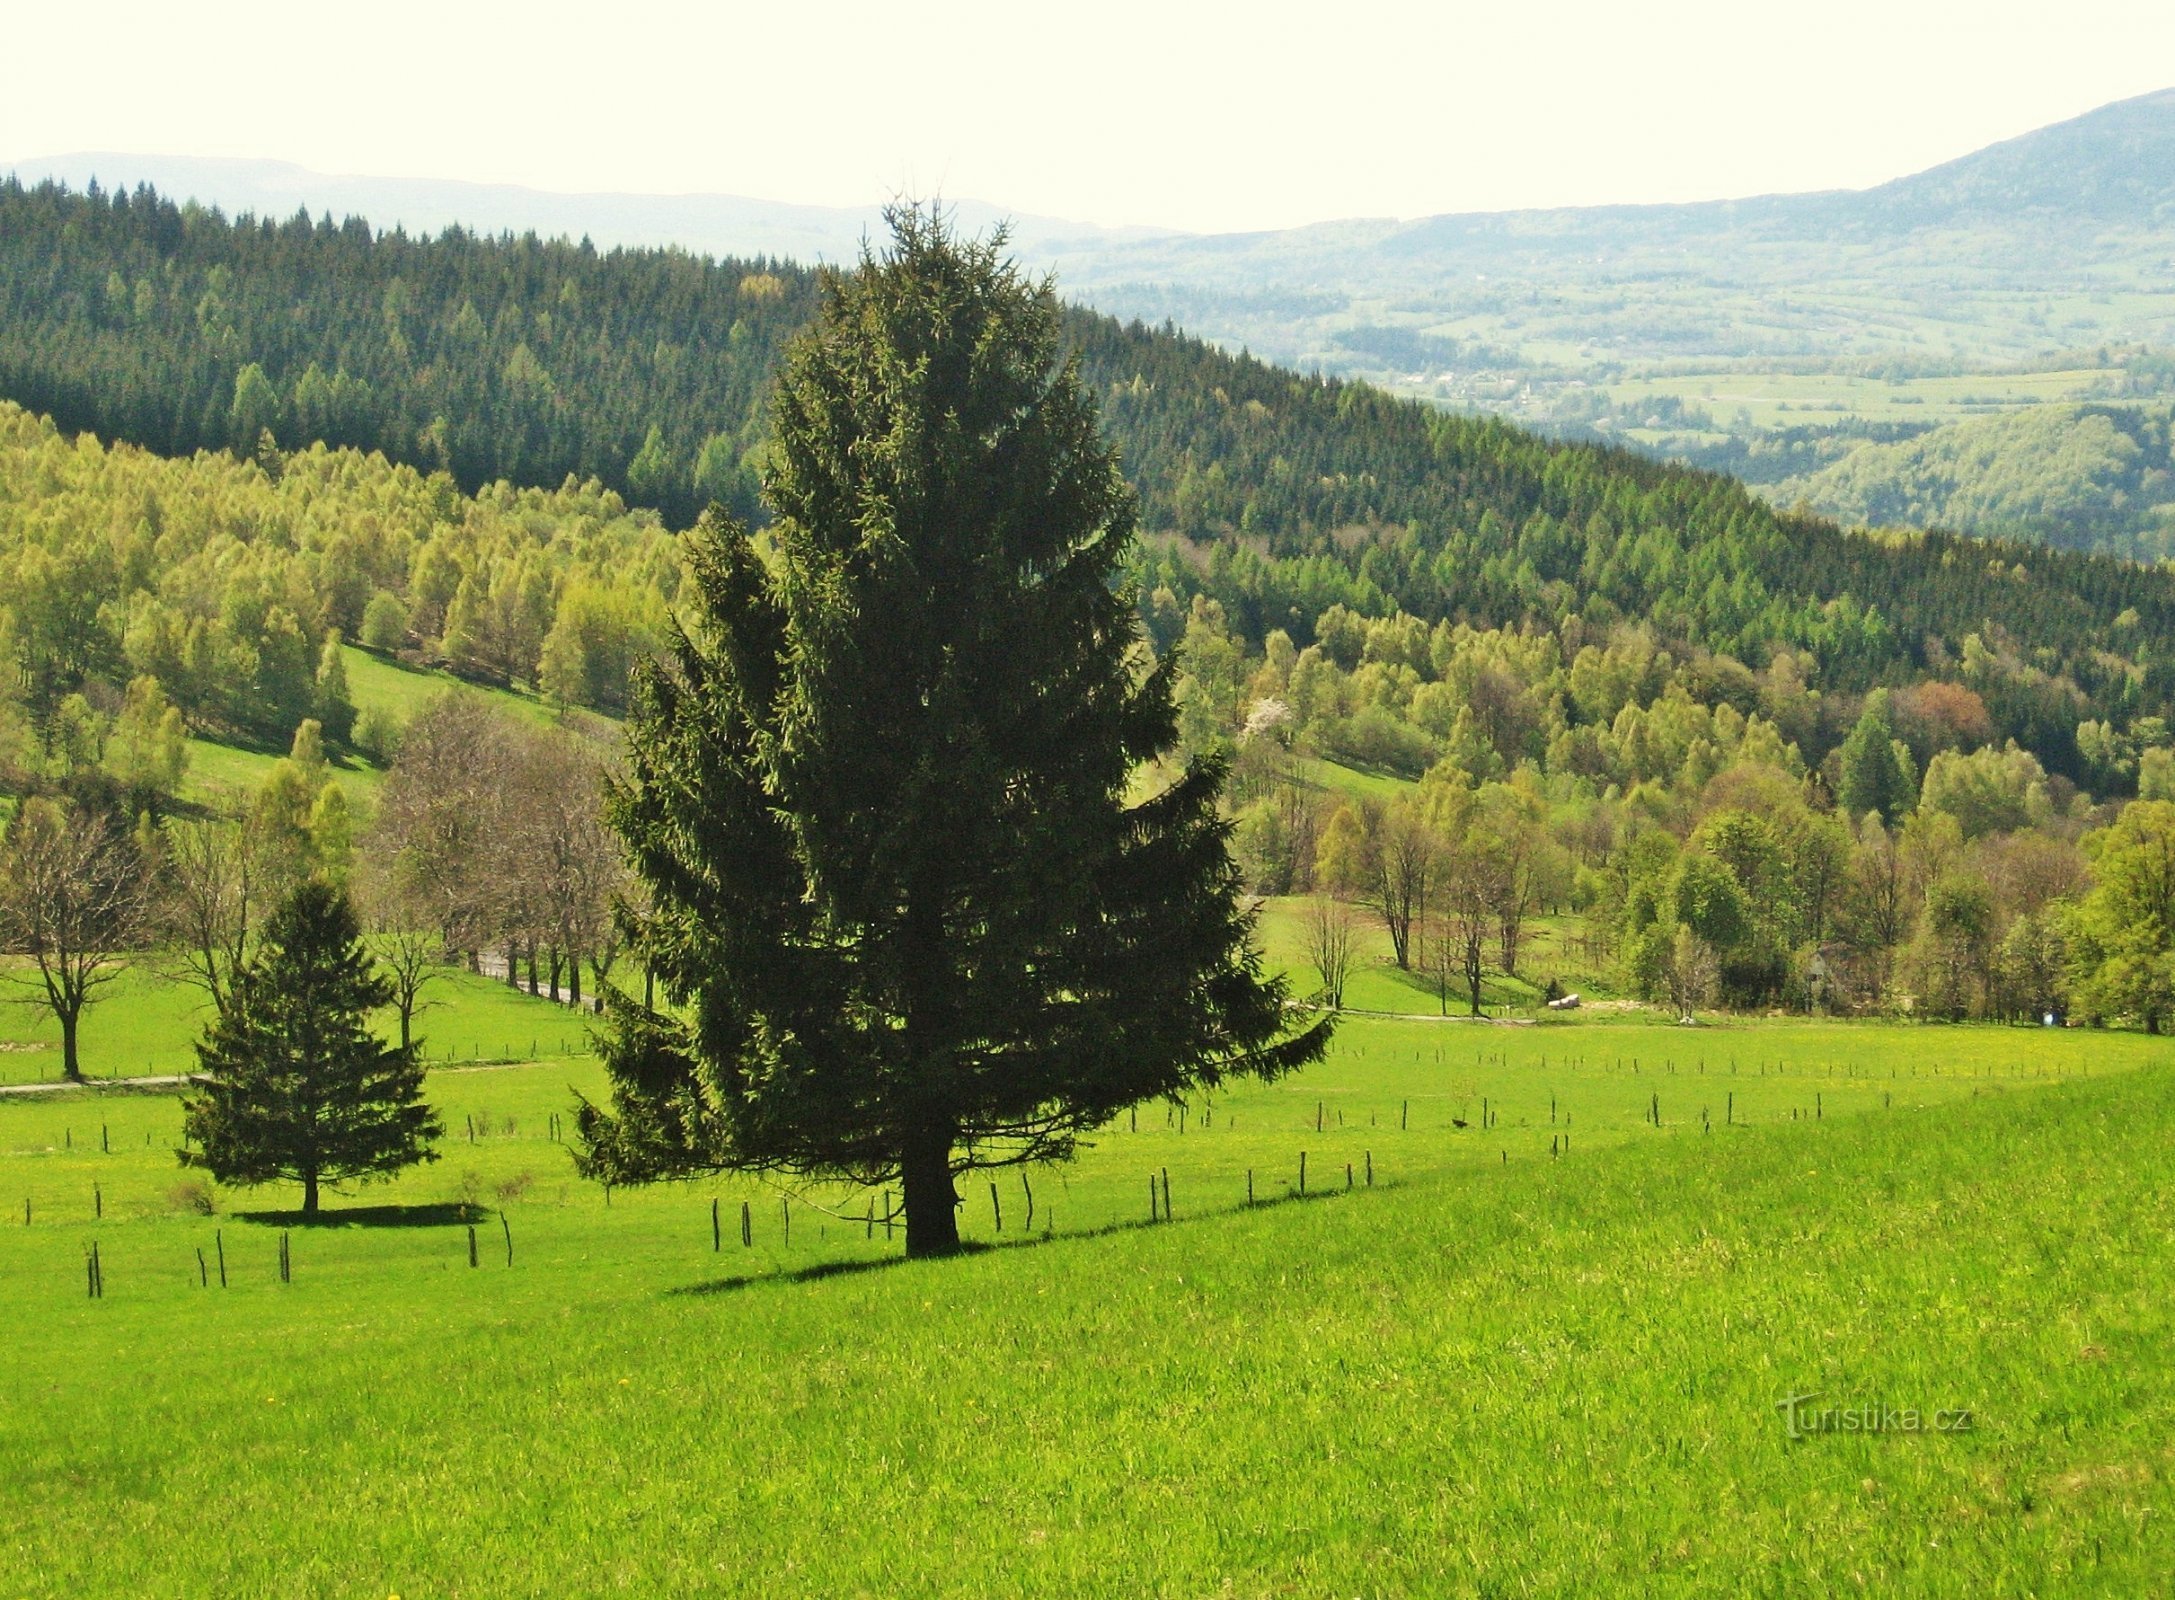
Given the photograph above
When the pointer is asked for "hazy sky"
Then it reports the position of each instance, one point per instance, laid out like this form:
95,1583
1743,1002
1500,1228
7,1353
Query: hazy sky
1149,111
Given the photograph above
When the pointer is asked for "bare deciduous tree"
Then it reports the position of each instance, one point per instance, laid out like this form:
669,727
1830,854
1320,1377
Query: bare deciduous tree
412,959
1469,916
1691,972
438,819
1399,863
1329,945
212,887
75,899
580,855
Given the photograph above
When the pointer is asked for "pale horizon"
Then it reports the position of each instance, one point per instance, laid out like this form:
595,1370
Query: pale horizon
1156,117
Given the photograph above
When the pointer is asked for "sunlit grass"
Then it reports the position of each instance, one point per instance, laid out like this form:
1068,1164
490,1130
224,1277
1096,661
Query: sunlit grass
1497,1369
147,1023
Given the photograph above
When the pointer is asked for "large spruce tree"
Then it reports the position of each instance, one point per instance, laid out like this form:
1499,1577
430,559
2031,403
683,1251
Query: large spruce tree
298,1086
909,918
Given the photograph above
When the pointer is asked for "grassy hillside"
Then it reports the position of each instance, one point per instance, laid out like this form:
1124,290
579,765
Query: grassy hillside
1550,1375
388,688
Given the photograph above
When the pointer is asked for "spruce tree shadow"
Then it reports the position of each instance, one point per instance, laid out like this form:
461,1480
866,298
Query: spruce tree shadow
820,1270
439,1214
813,1274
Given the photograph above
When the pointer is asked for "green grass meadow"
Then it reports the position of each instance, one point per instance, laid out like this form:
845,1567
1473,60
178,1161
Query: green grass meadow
1376,984
1539,1354
146,1024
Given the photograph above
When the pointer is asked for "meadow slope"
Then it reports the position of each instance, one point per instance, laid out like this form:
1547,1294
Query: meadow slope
1493,1372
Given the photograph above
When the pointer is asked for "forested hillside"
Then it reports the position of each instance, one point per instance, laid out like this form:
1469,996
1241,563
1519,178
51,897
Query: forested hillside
224,578
1274,494
2082,477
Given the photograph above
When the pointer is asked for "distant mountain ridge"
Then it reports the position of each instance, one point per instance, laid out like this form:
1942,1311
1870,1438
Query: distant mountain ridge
710,224
2117,162
2114,166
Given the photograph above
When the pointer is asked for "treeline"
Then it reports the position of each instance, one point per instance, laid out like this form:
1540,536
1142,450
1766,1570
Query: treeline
1719,837
1749,894
221,587
1275,494
1620,709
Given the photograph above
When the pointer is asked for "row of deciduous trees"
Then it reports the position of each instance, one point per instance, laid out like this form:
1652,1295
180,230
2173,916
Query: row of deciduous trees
1454,874
490,843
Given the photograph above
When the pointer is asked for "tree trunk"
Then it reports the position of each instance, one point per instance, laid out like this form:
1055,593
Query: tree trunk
558,966
574,983
513,965
407,1023
932,1215
70,1067
309,1194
